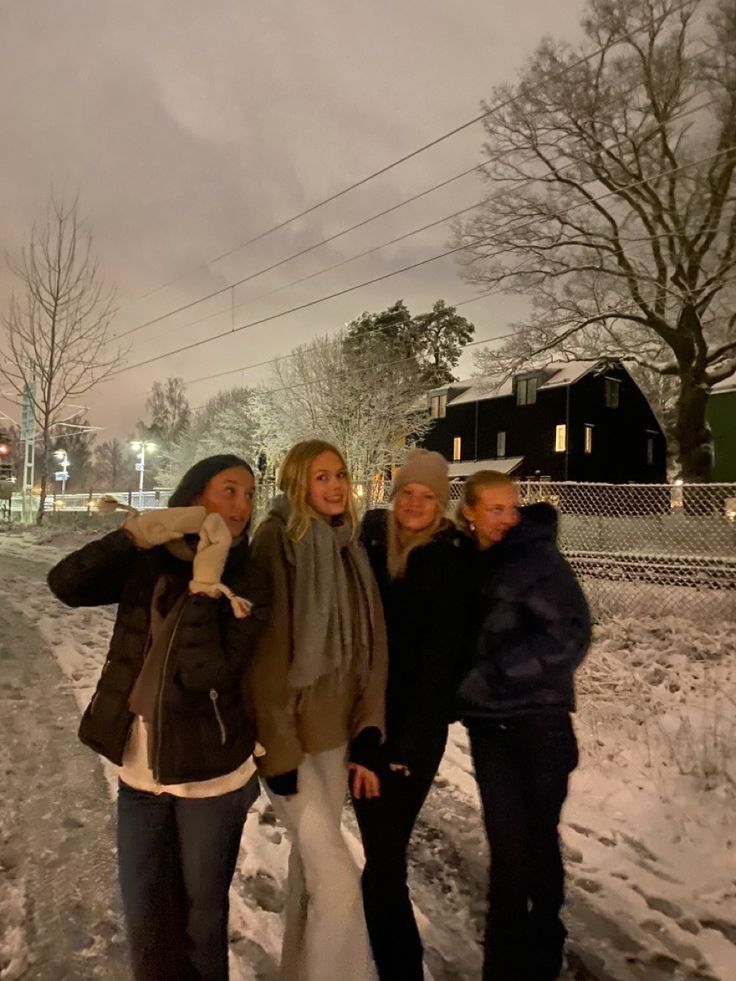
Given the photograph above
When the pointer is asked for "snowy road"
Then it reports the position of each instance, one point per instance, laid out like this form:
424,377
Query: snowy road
59,907
632,913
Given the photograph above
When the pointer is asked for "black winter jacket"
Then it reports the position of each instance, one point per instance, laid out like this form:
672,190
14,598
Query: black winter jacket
427,616
203,729
533,624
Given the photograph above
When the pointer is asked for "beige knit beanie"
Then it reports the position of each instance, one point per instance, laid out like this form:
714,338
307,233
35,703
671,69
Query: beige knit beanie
428,468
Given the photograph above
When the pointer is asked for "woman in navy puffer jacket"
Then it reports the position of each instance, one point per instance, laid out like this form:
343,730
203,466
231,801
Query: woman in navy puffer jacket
516,696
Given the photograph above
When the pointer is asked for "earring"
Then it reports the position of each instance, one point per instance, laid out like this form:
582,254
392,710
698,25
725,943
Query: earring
472,526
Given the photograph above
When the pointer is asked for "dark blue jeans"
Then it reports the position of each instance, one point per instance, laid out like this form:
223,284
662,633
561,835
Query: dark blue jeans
386,824
522,767
176,859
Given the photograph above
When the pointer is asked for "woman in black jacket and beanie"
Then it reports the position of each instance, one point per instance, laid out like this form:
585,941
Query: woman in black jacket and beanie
169,711
516,697
418,559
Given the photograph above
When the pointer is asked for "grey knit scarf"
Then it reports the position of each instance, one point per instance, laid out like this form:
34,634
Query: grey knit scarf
333,611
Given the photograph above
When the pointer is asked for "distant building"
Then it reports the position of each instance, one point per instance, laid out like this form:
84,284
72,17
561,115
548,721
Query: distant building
721,416
567,421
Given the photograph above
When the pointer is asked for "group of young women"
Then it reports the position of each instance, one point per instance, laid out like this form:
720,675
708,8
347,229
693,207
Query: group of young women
345,648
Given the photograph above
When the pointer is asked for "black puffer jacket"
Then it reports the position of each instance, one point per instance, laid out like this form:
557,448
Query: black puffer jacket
427,616
534,624
202,729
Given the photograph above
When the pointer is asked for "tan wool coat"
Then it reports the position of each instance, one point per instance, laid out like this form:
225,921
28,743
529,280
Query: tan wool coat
293,722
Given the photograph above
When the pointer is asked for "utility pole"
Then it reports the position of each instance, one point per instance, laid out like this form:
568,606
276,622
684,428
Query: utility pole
28,438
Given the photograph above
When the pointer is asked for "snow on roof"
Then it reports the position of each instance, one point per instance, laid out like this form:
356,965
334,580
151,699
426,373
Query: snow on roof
486,386
468,467
727,385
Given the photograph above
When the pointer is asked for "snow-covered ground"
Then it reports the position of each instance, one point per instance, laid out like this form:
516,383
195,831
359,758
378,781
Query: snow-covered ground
649,828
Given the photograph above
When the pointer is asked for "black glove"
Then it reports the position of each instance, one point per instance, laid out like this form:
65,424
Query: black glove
283,784
366,750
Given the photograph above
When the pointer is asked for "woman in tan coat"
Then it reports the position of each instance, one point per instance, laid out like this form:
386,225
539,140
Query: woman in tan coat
318,686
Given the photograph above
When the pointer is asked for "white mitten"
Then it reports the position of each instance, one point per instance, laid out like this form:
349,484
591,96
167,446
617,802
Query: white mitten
151,528
212,552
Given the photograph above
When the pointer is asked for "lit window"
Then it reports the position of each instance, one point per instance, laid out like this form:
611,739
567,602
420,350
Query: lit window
612,392
526,390
587,439
457,448
500,445
438,406
560,439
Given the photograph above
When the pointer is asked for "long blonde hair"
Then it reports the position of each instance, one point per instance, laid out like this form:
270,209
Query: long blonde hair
401,543
472,488
294,482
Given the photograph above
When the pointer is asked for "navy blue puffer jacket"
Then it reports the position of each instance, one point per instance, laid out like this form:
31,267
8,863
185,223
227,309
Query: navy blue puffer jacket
533,625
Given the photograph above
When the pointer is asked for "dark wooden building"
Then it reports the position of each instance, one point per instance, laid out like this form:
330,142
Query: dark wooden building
568,421
721,415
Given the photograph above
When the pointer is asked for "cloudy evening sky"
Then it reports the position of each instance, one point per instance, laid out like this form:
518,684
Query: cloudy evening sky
188,127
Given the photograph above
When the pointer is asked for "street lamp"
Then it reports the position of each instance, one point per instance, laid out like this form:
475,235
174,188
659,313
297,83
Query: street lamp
63,475
142,448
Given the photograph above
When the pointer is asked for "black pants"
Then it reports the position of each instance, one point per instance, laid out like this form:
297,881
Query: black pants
176,858
522,767
386,824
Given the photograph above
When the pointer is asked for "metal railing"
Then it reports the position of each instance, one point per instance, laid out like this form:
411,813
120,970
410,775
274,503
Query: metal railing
87,503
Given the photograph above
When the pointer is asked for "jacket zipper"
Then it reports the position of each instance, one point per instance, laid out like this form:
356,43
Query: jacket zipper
223,733
159,708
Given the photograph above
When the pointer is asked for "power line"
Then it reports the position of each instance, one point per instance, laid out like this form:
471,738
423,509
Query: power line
393,241
411,266
376,329
503,104
365,368
298,255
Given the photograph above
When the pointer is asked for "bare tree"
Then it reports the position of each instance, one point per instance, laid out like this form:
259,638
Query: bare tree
371,409
613,204
169,408
57,325
112,465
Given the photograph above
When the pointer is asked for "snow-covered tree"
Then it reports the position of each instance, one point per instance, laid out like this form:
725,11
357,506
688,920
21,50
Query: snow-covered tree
227,423
370,409
613,201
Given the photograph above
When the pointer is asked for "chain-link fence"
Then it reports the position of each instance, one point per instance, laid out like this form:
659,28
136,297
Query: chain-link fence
637,549
645,549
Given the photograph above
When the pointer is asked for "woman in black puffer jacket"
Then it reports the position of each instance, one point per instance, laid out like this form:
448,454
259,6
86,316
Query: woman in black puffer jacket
421,565
516,696
169,709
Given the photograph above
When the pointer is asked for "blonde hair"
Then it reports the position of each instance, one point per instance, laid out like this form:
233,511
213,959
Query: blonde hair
400,543
472,488
294,482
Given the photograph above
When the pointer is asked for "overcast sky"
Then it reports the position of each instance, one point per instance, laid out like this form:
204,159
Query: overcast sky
188,127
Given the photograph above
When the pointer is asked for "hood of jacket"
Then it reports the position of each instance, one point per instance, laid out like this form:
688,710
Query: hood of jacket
538,524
